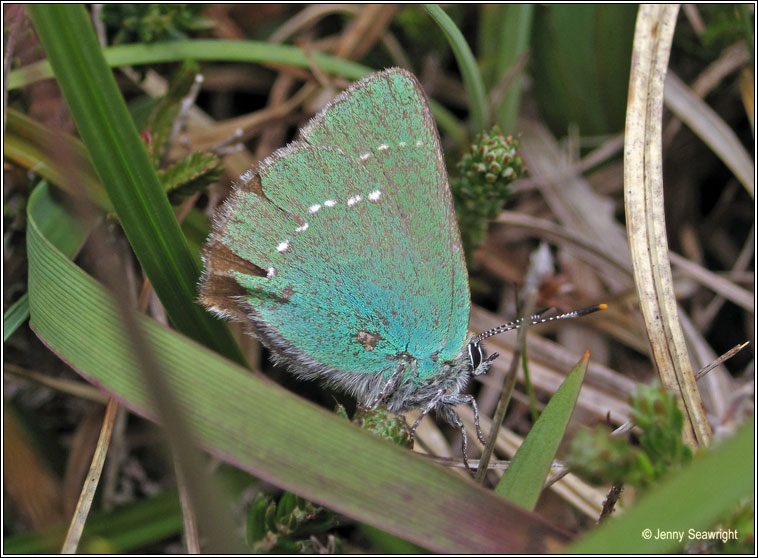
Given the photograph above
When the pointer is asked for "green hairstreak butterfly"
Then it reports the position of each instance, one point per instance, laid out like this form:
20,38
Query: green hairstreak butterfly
342,254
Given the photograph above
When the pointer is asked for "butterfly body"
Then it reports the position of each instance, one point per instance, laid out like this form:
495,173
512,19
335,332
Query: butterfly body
341,253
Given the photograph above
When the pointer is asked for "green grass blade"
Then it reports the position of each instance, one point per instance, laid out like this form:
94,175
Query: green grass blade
122,530
504,39
390,544
522,482
226,51
34,146
57,224
580,65
122,164
266,430
64,232
472,79
692,501
15,316
201,50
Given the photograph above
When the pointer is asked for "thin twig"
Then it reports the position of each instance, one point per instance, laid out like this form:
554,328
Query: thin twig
610,502
71,387
565,470
497,465
84,504
720,360
186,103
191,533
502,406
540,266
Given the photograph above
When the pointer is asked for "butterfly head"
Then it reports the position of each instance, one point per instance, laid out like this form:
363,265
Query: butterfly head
478,360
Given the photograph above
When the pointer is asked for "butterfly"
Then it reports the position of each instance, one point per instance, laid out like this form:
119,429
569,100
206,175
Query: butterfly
341,253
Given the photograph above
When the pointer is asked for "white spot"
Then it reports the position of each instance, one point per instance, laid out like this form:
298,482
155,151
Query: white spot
283,246
246,176
270,272
302,228
419,143
384,147
352,201
365,156
330,203
402,144
375,195
314,208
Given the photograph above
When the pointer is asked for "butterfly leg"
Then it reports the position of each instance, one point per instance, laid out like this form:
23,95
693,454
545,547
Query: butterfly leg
464,443
425,412
471,401
446,412
484,366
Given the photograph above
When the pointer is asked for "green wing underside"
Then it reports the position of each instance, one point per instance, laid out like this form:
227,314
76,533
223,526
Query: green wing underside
358,237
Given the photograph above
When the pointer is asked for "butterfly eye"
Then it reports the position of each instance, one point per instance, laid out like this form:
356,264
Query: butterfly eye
475,355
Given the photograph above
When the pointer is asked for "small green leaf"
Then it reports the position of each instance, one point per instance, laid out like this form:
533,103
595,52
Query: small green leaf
190,175
656,411
256,518
162,119
522,482
384,424
600,458
287,504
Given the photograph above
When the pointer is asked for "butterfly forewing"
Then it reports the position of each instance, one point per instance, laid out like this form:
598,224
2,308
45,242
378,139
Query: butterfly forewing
352,236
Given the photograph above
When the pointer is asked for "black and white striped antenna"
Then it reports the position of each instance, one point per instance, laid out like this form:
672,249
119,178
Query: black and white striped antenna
536,319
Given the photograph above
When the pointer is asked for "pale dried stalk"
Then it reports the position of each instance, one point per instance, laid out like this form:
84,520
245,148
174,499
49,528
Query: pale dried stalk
191,533
646,226
70,387
84,504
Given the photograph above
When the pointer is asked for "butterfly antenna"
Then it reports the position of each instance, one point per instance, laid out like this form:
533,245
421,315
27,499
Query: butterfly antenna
536,319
